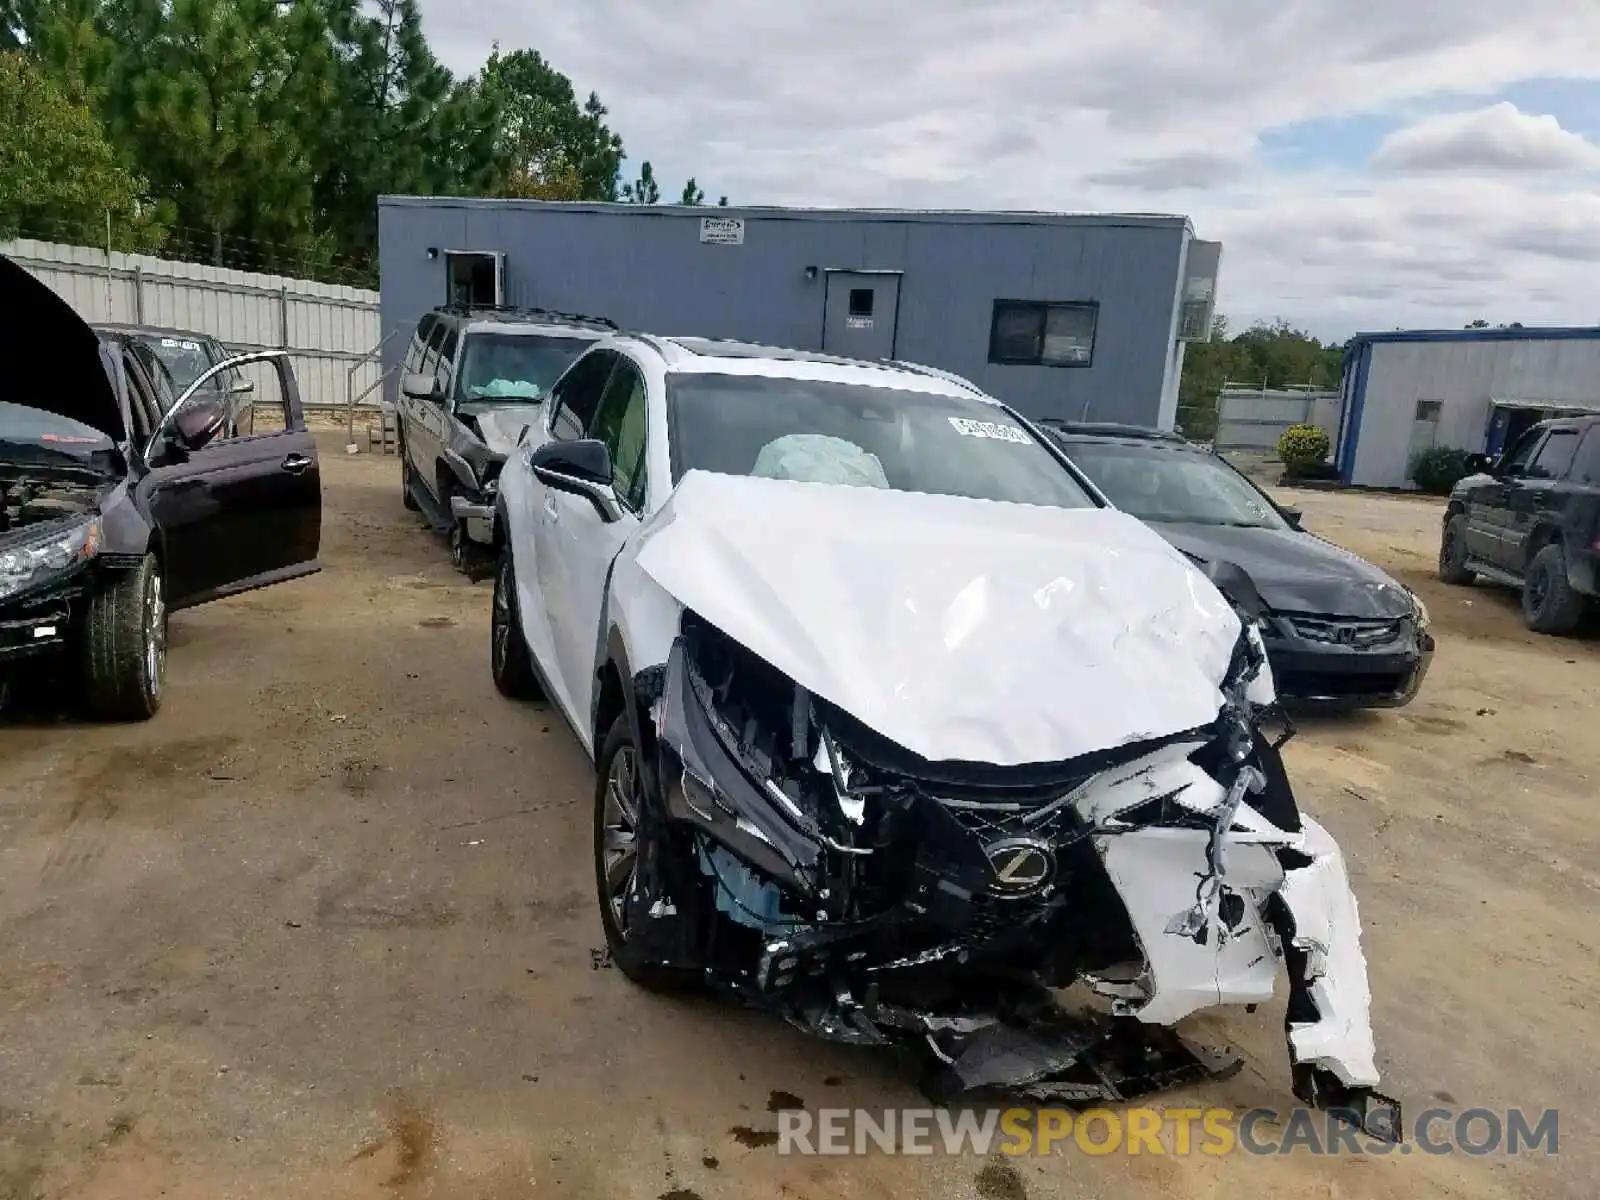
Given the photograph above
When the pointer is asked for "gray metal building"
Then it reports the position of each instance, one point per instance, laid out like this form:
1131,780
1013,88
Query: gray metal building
1473,389
1061,315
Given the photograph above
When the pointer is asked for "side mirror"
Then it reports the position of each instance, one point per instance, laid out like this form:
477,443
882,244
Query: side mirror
242,387
581,468
1291,514
422,387
199,421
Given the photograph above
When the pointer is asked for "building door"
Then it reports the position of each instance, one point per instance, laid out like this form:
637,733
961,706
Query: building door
1424,431
859,311
473,278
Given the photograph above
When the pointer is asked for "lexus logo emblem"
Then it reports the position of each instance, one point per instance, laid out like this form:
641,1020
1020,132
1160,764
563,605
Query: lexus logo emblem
1020,866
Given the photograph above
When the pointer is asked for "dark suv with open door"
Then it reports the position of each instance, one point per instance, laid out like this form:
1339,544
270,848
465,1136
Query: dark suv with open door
117,507
1531,520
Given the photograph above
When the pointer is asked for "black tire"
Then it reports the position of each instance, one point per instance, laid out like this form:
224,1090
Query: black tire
406,497
510,661
124,645
460,547
1453,553
1549,603
611,781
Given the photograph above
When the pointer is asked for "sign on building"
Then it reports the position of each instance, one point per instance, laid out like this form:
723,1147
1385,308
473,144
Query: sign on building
722,231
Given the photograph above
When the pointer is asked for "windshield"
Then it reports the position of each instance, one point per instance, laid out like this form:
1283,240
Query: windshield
186,359
1173,485
868,436
501,367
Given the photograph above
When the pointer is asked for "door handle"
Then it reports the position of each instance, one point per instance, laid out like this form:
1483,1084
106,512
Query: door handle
296,463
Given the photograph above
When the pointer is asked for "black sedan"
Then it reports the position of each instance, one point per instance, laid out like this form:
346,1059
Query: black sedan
1339,632
119,504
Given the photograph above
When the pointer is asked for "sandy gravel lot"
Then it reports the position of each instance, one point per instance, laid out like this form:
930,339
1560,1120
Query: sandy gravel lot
324,927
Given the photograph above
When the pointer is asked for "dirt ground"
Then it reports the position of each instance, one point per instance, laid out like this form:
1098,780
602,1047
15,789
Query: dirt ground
324,928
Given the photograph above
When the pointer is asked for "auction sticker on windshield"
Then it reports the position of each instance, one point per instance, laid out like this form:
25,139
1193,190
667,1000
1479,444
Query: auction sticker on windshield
174,344
989,429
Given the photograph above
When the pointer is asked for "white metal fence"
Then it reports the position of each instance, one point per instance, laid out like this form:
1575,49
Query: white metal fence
330,329
1250,420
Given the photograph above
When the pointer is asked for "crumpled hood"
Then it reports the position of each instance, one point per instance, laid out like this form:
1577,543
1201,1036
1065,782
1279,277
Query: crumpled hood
59,370
502,426
1296,572
959,629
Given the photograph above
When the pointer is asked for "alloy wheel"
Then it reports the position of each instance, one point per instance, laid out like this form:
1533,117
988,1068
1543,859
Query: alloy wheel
155,635
619,841
500,615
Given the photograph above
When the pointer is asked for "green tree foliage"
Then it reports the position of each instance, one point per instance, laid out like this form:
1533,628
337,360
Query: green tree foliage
56,164
269,128
550,147
692,195
643,190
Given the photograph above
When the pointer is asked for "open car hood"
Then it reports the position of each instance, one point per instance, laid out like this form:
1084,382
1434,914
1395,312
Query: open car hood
501,426
59,370
959,629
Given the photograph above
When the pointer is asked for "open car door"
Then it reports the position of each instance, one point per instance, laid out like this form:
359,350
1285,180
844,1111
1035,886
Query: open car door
236,509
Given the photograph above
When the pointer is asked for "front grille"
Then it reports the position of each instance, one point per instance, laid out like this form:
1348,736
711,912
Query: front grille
991,821
1359,633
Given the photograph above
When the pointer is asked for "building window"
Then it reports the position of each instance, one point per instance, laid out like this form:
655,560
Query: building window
1429,410
1043,334
861,302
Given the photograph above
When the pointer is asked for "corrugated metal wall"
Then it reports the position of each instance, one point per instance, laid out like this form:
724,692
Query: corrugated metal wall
1463,376
329,328
1252,420
646,268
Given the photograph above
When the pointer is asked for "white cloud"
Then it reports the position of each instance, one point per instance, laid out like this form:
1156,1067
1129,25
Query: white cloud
1499,138
1113,104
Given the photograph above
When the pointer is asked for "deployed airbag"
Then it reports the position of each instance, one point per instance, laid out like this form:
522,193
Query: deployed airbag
817,458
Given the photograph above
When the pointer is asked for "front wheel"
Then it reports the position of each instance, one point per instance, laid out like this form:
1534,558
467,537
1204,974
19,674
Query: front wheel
407,498
510,661
627,855
1453,553
124,645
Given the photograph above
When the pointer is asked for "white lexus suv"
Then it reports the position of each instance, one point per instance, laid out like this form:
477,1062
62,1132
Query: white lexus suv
898,727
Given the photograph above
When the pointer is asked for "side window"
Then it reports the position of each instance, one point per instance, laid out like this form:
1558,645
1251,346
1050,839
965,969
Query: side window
430,356
1555,456
1586,463
447,358
619,422
419,339
1521,454
577,394
141,395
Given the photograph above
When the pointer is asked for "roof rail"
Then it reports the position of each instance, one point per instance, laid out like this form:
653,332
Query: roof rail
917,368
521,310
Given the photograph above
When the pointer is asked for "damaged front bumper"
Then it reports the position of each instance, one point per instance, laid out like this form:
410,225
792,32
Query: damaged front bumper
478,516
872,903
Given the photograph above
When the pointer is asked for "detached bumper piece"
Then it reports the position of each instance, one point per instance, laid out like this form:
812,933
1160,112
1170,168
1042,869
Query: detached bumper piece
1073,1059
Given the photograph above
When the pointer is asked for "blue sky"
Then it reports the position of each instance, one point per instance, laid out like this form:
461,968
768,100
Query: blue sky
1365,163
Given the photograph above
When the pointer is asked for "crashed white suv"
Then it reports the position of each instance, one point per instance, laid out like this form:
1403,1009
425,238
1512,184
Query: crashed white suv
899,728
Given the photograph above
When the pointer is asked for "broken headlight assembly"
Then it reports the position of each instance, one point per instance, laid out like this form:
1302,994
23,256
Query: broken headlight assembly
47,556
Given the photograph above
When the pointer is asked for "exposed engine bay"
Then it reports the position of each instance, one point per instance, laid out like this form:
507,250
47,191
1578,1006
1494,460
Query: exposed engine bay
811,867
27,498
